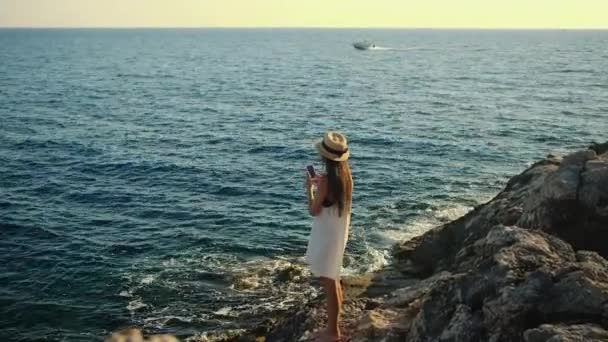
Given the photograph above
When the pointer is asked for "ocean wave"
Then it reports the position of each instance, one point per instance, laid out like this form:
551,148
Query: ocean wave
267,149
143,76
196,179
370,259
256,287
575,71
136,305
127,248
428,217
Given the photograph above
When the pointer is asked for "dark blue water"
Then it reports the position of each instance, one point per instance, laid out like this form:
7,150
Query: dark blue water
154,177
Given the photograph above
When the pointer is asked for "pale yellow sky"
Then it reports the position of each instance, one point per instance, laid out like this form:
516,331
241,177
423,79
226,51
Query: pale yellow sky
306,13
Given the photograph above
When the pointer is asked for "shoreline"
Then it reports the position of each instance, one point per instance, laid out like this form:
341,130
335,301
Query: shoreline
528,265
507,270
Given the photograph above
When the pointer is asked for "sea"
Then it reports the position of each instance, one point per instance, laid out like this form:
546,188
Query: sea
155,177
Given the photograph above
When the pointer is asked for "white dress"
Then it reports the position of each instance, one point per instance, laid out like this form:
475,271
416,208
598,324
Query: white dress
327,241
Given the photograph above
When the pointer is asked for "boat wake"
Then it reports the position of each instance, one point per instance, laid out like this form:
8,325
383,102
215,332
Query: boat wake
367,45
383,48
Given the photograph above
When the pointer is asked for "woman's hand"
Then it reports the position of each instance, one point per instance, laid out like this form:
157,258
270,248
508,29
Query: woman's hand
308,182
316,197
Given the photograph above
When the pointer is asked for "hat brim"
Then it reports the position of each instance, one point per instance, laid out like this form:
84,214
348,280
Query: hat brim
326,154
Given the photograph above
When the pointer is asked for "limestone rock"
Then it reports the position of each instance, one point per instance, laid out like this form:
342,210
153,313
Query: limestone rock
375,323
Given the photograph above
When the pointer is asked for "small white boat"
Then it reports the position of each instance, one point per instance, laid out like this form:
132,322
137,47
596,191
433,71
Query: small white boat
364,45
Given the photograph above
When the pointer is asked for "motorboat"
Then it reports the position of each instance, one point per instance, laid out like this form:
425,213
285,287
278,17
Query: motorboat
364,45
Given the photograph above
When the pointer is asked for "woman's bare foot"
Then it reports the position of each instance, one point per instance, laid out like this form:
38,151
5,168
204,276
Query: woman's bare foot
325,336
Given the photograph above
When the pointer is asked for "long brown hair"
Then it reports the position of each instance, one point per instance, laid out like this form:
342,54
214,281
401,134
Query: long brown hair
339,184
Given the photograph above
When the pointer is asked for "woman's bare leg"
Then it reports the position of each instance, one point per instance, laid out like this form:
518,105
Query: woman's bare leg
341,300
334,303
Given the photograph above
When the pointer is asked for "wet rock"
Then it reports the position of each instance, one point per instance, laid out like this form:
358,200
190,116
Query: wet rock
353,286
375,324
289,273
599,148
264,328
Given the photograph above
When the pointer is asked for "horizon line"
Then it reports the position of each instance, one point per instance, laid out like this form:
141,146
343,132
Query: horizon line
314,27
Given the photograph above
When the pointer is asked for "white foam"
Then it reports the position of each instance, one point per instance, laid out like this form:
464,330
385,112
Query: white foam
377,254
225,311
372,260
265,284
452,213
148,279
261,271
169,263
135,305
430,219
379,48
382,48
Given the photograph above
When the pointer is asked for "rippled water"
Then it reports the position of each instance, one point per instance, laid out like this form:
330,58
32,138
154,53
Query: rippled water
154,177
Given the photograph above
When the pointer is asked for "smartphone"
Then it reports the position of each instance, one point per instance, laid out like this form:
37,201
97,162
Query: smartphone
311,171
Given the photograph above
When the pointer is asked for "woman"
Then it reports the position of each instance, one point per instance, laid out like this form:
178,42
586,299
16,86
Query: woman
330,206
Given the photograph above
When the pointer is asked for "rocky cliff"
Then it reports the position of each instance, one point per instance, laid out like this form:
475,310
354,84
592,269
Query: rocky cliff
529,265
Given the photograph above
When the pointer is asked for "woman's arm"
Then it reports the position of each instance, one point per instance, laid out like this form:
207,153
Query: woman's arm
315,200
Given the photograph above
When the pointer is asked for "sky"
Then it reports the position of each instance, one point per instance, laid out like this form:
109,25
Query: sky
578,14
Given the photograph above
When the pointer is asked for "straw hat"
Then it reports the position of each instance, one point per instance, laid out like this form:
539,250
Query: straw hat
333,146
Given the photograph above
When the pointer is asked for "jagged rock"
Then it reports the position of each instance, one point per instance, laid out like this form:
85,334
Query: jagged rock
578,159
502,290
566,333
594,188
407,294
437,311
289,273
581,291
599,148
510,216
516,276
512,277
462,326
375,324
